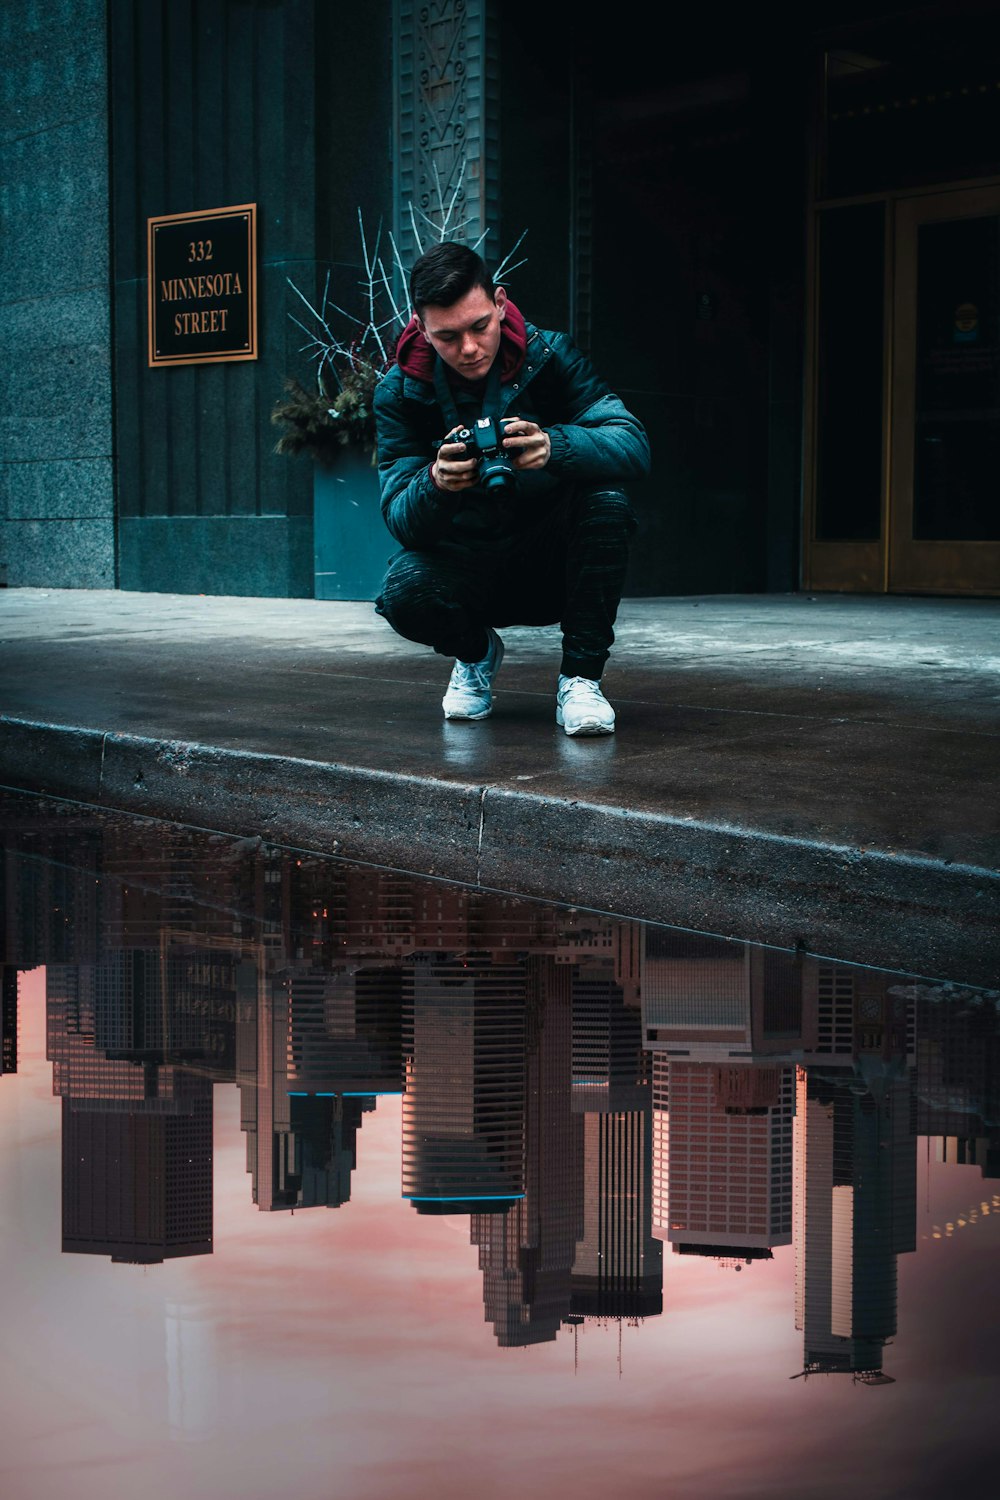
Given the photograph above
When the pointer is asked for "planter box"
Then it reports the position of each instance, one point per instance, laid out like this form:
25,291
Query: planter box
351,545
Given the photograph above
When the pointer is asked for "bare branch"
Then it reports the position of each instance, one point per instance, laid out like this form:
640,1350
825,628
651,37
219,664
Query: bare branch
453,229
454,197
396,315
403,277
332,342
313,344
440,197
304,298
426,218
505,263
416,234
370,285
321,320
378,339
393,322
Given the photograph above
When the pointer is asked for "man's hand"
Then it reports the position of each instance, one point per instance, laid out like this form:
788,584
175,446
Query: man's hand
451,469
527,445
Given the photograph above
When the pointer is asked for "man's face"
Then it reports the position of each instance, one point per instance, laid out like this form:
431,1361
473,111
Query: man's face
466,334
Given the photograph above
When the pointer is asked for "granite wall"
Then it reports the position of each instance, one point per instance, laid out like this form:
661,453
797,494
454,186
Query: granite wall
286,104
57,525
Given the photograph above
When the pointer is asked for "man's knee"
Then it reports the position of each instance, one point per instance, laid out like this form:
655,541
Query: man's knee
429,598
407,588
603,509
436,603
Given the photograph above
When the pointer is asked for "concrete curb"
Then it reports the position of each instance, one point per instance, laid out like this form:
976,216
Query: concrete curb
878,907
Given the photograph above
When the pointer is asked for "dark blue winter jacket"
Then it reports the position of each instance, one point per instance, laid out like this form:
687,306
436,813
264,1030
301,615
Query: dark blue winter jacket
595,440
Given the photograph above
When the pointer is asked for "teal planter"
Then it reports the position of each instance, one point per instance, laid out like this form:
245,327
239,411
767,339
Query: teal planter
351,544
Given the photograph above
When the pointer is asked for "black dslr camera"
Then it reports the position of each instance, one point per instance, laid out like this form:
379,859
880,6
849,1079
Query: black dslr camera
483,441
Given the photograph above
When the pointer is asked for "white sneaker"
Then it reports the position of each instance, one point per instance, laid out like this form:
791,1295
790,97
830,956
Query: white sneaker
470,691
581,707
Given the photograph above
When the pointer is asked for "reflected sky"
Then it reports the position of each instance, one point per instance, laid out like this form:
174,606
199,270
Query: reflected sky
583,1330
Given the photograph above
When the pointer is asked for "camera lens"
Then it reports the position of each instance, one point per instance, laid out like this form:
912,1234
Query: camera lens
496,472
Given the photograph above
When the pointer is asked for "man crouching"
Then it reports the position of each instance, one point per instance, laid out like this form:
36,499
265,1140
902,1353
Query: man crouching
517,517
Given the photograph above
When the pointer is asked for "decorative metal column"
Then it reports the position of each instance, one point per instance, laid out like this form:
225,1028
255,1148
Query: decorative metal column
447,125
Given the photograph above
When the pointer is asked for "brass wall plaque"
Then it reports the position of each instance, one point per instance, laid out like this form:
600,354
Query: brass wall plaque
203,286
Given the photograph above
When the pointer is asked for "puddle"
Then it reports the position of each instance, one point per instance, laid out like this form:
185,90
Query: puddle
329,1179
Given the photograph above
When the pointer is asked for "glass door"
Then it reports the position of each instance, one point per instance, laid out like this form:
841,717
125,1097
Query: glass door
944,489
845,454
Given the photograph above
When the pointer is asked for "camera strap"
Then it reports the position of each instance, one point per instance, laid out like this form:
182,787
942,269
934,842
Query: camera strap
446,396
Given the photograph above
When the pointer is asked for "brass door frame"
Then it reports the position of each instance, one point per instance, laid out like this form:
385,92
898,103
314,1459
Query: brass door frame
864,567
929,567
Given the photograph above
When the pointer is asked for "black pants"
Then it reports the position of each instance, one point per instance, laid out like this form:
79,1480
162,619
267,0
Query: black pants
569,569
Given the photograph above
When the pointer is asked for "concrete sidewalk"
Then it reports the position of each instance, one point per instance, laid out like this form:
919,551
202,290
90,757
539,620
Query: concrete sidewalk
789,769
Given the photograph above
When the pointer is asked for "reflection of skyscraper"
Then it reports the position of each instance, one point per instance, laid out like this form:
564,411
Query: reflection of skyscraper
8,1019
130,1004
733,999
778,984
696,989
165,883
982,1151
722,1169
172,1004
307,1072
958,1075
629,947
262,1076
526,1255
855,1168
730,1154
136,1137
322,1148
345,1029
137,1178
851,1012
660,1172
607,1040
617,1270
463,1109
50,891
201,985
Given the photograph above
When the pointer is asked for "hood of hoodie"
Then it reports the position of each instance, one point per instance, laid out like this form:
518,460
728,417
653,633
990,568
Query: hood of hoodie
415,356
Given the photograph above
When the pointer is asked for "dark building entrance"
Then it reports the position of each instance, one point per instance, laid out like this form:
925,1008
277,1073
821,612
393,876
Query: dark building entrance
778,241
902,381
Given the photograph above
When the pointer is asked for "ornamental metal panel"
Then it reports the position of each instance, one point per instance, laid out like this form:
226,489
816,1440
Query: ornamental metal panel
447,126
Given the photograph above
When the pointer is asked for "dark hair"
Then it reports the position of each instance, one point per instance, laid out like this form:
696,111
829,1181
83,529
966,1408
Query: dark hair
445,273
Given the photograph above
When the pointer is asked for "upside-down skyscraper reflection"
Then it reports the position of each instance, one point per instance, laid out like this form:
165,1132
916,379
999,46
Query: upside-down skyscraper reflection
463,1106
526,1254
618,1267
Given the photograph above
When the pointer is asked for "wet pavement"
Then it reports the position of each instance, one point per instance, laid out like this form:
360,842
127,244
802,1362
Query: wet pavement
333,1180
816,771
